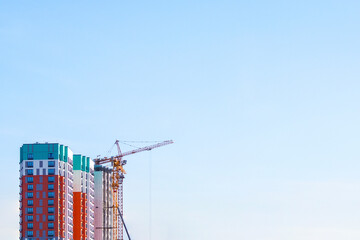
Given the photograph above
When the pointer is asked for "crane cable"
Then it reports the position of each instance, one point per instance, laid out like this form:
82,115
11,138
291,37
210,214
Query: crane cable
122,219
130,145
150,194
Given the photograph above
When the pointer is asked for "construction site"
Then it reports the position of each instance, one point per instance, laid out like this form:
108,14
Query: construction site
69,196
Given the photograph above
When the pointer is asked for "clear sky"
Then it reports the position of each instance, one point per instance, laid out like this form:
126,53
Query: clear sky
261,98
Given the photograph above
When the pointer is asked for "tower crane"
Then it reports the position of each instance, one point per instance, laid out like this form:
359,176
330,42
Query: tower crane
117,177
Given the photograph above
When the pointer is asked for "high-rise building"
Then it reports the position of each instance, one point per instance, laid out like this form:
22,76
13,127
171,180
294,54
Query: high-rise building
103,204
83,197
50,196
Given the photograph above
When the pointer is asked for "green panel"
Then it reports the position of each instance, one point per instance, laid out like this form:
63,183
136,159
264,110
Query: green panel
87,164
39,151
77,162
83,163
61,155
66,154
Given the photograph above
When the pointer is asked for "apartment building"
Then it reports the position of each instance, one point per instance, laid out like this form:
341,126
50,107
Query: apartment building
83,197
50,196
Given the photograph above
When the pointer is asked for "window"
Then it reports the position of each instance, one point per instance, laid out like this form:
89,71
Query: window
29,164
50,156
51,233
51,179
29,179
50,225
30,187
51,171
30,225
30,194
39,187
51,210
30,233
51,163
51,218
30,202
30,210
50,202
51,195
51,187
30,218
29,172
30,156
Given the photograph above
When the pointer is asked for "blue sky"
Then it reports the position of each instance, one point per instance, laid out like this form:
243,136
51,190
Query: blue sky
260,97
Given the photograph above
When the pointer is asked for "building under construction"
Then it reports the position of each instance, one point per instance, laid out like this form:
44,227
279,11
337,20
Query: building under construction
67,196
103,203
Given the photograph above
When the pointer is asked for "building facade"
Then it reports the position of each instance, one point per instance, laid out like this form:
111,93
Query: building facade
47,204
83,197
103,204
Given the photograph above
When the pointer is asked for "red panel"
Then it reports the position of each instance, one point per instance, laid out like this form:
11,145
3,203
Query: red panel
77,218
58,204
84,216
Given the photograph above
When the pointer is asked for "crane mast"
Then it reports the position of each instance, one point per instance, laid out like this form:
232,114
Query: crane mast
117,177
